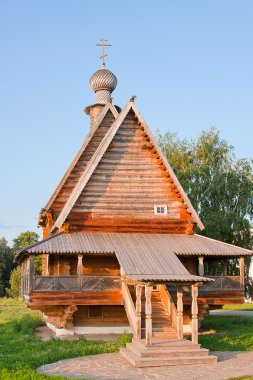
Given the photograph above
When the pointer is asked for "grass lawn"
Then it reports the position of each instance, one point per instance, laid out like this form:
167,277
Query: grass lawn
232,333
240,306
21,351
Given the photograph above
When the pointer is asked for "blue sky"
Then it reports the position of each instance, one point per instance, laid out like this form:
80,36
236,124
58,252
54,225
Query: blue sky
190,63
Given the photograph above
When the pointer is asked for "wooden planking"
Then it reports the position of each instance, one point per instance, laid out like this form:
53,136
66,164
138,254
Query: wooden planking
76,298
101,265
85,222
100,316
78,169
128,170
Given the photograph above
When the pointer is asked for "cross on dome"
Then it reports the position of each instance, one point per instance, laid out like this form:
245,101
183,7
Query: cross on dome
103,44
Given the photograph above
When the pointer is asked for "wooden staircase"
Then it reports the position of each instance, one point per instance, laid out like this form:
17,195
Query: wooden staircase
161,320
166,352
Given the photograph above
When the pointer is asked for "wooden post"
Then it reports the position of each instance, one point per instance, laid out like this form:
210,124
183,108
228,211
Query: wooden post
225,268
195,314
242,271
138,311
30,260
201,266
148,312
47,264
180,320
80,270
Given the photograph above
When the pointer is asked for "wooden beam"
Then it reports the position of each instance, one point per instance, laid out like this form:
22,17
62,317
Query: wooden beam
79,270
30,260
195,314
148,312
242,270
180,321
201,270
138,311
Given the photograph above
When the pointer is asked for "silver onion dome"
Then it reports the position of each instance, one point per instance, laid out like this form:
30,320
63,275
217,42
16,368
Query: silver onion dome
103,82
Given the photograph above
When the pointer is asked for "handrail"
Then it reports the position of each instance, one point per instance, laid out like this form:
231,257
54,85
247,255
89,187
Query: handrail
169,304
130,308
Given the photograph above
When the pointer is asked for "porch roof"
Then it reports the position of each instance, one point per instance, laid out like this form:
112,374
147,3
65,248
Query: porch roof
146,256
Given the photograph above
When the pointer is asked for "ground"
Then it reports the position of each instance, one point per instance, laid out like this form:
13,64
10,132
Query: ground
22,351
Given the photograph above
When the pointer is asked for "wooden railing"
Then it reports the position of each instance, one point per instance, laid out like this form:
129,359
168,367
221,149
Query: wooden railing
130,308
169,304
76,283
222,283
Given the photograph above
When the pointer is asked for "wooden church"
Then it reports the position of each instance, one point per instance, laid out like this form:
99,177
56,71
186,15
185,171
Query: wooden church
119,246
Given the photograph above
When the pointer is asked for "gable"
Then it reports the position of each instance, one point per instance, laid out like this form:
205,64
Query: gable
78,165
121,144
130,180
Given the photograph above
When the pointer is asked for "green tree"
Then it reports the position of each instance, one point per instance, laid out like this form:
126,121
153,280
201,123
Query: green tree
219,186
21,241
6,265
24,240
15,281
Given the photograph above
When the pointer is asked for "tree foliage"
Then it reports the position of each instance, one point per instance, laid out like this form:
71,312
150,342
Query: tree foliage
219,185
6,265
21,241
15,282
24,240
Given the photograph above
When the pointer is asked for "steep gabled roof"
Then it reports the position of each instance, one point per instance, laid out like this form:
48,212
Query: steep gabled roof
109,107
97,156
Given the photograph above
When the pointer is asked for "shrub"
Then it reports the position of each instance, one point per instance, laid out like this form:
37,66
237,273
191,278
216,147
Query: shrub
123,339
15,283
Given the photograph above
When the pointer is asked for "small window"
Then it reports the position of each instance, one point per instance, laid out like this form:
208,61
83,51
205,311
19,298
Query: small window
160,209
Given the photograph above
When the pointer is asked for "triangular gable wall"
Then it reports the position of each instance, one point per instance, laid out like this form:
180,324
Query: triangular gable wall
76,168
92,169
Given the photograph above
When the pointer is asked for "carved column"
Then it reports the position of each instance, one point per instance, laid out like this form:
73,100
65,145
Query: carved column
30,260
201,266
242,271
194,314
138,311
180,321
148,312
80,270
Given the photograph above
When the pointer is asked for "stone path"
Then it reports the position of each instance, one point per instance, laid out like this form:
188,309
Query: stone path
113,366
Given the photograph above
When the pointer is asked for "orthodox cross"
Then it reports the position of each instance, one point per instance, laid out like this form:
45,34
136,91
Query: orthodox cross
103,44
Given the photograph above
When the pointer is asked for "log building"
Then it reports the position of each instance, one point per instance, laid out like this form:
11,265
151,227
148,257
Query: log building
119,246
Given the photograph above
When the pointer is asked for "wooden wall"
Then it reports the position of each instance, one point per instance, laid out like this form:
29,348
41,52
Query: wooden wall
80,166
101,265
125,186
190,263
92,265
62,265
100,316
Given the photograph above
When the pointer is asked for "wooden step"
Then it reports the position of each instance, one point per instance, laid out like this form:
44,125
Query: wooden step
141,362
161,344
179,352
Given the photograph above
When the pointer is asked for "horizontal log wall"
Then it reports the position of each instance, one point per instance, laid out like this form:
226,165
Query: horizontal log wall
38,300
124,188
100,316
78,169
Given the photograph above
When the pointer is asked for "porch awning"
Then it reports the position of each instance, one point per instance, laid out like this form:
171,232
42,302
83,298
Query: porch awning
141,256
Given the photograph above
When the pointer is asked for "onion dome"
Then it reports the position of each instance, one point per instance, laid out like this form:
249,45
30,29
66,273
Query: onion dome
103,82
